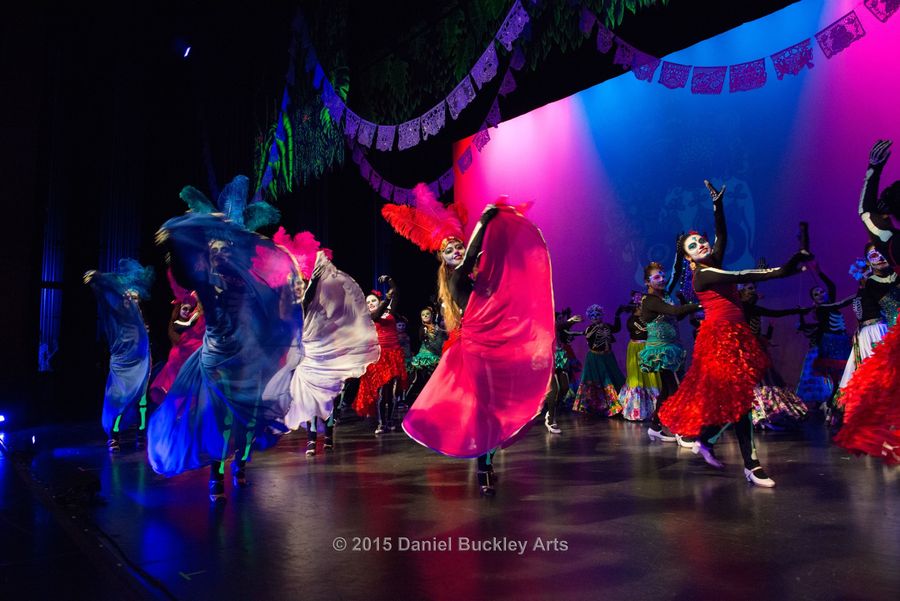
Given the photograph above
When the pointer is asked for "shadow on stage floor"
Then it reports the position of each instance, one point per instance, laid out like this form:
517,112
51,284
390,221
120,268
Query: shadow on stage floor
595,513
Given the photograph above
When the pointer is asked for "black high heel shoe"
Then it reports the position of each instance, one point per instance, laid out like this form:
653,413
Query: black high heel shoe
217,491
486,481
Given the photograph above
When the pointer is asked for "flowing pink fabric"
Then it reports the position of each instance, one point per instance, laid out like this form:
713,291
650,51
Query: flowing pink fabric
491,382
187,344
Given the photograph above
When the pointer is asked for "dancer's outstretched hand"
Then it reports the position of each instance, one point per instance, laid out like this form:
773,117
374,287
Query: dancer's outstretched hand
384,278
89,275
880,153
716,195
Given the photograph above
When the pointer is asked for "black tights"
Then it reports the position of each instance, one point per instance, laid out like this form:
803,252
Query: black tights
386,403
559,388
486,462
668,386
743,429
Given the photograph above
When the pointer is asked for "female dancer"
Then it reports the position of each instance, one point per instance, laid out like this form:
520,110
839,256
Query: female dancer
728,361
495,370
878,297
186,327
877,300
662,353
601,377
215,409
641,390
774,403
118,296
871,400
431,338
560,382
381,379
336,341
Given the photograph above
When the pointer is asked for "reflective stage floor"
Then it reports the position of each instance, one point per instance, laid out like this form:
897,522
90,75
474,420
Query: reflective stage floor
598,512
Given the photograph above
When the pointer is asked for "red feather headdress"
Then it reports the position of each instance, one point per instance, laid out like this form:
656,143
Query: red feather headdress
427,223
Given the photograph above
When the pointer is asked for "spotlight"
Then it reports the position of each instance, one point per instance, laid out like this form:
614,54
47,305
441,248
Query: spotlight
32,439
187,51
2,418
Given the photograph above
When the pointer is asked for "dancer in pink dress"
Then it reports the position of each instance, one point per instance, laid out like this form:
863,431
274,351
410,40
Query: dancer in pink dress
495,371
186,327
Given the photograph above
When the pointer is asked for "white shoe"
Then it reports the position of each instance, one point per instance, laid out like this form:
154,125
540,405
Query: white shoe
310,448
659,435
707,453
687,444
553,428
379,430
759,477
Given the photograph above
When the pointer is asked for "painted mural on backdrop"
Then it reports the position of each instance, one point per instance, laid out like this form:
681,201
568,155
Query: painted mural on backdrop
616,171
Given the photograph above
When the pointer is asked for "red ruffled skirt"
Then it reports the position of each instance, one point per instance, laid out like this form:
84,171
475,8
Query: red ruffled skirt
727,364
391,364
872,403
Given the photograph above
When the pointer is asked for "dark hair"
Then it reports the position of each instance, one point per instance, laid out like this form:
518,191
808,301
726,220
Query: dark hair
890,199
869,245
651,266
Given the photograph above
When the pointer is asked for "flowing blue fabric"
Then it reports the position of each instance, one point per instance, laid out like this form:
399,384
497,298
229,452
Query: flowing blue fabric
215,410
129,350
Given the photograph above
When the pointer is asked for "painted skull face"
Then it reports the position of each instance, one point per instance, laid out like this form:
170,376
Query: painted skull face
876,260
697,248
819,295
401,326
219,252
372,302
185,310
453,253
749,292
426,316
657,279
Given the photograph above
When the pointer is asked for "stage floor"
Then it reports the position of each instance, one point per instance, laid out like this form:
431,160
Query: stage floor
595,513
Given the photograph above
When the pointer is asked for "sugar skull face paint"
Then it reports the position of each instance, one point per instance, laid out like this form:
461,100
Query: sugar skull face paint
697,247
876,260
656,279
453,252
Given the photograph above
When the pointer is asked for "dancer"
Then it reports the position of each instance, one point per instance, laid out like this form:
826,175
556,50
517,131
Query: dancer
186,327
560,382
639,395
379,385
215,410
118,297
336,340
495,370
601,377
871,399
814,388
774,404
876,302
431,338
728,361
662,354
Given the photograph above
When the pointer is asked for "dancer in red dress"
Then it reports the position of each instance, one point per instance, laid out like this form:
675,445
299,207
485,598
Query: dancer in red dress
871,399
728,360
379,385
495,370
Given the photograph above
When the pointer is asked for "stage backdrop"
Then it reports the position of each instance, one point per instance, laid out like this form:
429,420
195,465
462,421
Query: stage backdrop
616,171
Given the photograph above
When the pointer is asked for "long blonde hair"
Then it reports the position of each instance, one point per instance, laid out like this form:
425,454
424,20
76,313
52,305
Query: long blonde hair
449,308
